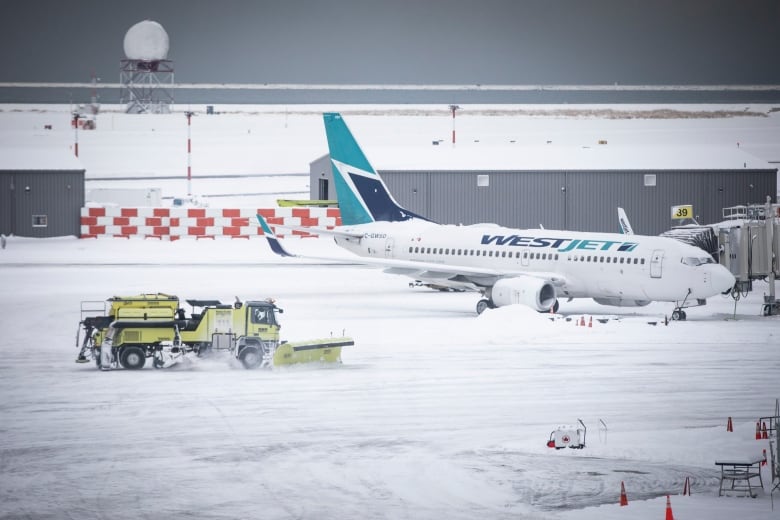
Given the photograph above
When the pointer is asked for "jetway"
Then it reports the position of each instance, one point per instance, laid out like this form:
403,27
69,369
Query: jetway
749,239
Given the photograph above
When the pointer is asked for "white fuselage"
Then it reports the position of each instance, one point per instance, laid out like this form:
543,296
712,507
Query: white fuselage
580,265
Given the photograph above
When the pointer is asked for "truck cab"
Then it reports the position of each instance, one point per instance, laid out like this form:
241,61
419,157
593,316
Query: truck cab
249,329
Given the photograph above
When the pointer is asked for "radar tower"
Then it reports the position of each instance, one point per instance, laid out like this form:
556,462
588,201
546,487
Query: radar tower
146,75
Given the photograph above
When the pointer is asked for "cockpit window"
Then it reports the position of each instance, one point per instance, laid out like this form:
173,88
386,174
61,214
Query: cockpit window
693,261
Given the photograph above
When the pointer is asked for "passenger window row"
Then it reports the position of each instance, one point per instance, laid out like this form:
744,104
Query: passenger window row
525,255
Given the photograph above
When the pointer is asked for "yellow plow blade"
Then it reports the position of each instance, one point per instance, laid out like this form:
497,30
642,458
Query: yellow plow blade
326,350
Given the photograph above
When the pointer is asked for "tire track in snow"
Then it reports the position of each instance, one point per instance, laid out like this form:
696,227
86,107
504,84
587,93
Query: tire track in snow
555,483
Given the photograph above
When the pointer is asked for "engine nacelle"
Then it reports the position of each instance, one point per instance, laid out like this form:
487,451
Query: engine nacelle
620,302
536,293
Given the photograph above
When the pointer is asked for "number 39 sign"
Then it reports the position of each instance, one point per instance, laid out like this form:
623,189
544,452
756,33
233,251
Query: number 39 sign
681,212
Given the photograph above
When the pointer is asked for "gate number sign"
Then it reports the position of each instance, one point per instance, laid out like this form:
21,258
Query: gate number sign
682,212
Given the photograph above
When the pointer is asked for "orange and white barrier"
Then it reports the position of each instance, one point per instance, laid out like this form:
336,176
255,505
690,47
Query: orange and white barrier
176,222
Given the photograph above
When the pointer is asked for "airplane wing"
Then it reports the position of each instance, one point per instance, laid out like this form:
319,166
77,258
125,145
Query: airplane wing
322,231
456,276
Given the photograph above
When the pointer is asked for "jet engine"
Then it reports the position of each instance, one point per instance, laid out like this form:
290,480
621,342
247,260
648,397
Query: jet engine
536,293
620,302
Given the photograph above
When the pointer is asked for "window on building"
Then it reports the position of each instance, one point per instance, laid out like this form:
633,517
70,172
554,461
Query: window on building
40,221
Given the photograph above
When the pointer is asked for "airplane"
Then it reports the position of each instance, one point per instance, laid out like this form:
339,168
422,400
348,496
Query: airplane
533,267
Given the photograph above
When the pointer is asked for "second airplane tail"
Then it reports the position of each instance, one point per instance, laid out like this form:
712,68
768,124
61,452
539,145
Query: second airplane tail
363,196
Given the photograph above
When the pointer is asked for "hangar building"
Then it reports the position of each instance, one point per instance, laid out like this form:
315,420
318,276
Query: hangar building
568,188
41,192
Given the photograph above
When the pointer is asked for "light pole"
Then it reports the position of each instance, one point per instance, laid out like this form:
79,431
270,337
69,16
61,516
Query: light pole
453,108
189,153
76,116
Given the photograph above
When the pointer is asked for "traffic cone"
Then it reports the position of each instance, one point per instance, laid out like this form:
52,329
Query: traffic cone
590,322
763,432
582,321
669,514
687,487
758,431
729,426
623,497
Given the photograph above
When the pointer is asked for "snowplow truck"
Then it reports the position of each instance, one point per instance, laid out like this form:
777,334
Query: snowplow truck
154,326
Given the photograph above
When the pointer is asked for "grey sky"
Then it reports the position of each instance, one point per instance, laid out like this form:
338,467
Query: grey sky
404,41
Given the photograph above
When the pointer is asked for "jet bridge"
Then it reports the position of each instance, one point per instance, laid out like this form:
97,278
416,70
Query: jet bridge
749,238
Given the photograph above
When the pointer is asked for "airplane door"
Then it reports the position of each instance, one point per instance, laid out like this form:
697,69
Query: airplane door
389,244
656,263
524,257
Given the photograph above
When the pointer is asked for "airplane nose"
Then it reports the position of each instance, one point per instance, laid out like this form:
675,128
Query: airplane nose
722,279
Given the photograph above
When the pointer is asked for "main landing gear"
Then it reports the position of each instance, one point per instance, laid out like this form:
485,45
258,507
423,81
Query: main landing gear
484,304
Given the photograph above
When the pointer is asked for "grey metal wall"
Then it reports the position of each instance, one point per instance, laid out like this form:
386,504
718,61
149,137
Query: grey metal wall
59,195
574,200
510,199
577,200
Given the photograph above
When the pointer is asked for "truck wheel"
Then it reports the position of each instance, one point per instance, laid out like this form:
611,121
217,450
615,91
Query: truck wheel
250,357
133,358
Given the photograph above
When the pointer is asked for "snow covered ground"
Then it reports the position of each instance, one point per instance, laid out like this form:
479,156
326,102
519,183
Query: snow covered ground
434,413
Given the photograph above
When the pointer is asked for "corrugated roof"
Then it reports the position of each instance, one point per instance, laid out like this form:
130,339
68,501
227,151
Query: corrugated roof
26,158
474,157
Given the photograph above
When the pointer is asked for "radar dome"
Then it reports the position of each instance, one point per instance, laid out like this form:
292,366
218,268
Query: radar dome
146,41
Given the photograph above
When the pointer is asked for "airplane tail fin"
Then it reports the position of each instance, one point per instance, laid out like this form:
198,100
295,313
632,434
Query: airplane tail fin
363,196
276,246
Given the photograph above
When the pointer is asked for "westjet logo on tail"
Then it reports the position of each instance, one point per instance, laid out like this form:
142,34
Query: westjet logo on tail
563,245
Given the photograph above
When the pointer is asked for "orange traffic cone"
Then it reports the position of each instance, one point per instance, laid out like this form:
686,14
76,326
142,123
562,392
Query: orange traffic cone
669,514
687,487
729,426
623,497
758,431
582,321
590,322
763,432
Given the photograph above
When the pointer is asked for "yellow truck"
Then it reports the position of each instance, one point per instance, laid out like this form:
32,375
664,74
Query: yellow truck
155,326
